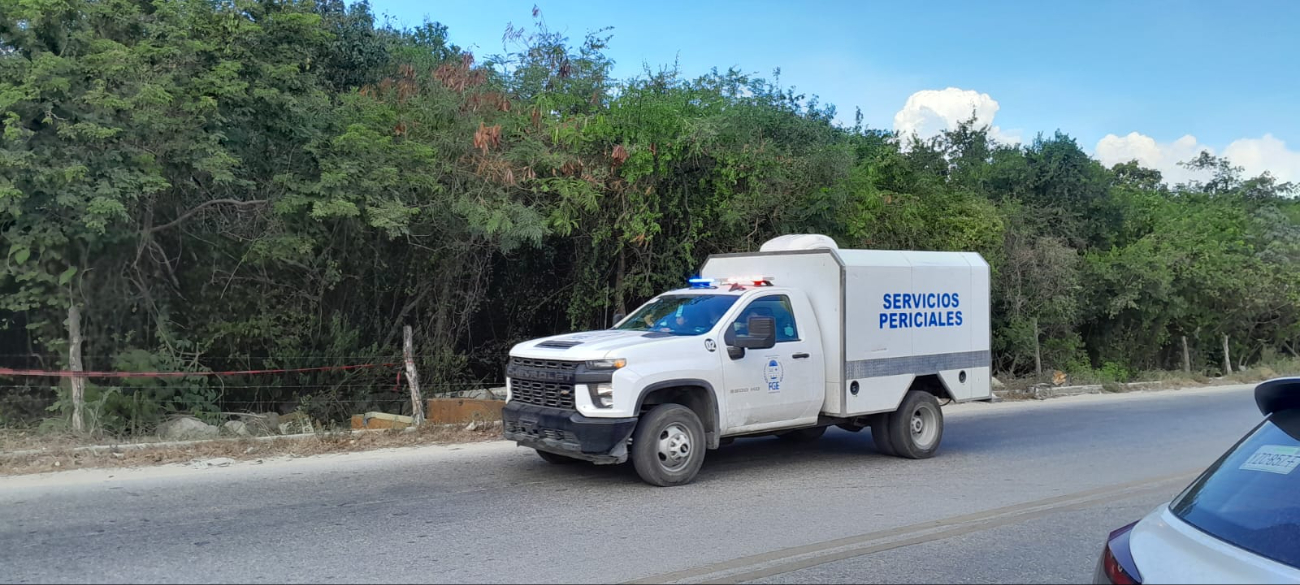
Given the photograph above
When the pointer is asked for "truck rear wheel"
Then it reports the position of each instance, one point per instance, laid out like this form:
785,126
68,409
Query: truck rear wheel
668,445
807,435
880,434
554,458
916,428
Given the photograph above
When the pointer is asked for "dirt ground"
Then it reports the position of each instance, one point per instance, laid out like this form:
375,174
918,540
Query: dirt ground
63,453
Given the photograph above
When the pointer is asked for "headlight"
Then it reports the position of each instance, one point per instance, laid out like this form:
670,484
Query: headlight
604,395
607,364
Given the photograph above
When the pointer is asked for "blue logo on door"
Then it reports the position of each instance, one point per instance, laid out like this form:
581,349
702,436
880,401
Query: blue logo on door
774,375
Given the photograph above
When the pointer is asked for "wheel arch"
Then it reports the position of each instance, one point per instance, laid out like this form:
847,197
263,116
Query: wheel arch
932,384
695,394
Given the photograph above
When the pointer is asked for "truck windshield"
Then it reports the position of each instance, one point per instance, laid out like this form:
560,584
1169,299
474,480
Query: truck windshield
680,314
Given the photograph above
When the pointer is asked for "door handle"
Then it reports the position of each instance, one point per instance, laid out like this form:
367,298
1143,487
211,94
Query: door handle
800,356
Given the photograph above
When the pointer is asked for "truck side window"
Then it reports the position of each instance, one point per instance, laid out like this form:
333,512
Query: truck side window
776,306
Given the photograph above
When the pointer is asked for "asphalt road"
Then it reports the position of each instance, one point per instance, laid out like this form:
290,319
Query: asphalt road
1022,492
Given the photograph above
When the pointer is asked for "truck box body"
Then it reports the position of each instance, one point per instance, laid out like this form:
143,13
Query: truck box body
887,317
790,340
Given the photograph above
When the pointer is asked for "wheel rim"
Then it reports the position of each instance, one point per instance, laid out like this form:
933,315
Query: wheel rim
924,426
674,447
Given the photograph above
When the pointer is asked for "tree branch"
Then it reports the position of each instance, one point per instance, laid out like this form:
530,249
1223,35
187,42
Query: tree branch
201,207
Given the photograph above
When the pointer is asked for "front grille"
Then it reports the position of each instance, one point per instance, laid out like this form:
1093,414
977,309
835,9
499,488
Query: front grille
542,382
554,365
550,394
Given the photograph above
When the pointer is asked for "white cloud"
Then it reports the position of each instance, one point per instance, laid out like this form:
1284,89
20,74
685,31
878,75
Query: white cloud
1257,155
929,112
1254,155
1163,157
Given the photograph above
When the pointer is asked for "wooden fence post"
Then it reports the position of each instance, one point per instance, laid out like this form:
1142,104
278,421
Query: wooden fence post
1038,352
412,377
74,364
1227,361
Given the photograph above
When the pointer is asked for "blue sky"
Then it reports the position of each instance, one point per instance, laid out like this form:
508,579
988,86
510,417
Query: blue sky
1148,73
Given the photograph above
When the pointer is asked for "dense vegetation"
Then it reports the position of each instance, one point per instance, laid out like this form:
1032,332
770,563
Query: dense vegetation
283,183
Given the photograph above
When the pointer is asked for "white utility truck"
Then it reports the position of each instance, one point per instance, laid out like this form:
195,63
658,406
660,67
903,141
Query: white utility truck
788,340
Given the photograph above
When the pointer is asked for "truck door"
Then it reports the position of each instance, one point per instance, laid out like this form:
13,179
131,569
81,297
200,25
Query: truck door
781,386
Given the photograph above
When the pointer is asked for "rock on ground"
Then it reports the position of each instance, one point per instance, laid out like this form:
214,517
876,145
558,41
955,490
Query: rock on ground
187,427
218,462
237,428
481,394
262,424
296,422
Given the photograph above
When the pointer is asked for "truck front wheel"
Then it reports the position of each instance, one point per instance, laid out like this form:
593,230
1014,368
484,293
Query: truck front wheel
668,445
916,428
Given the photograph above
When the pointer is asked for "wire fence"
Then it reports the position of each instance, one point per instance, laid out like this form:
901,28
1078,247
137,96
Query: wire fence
35,389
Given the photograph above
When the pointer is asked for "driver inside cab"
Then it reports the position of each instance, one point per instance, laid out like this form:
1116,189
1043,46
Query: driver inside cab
687,319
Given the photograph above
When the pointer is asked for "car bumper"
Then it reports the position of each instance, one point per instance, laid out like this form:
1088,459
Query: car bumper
565,432
1099,574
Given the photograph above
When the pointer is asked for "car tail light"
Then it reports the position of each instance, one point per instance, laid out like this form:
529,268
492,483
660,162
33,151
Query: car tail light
1117,565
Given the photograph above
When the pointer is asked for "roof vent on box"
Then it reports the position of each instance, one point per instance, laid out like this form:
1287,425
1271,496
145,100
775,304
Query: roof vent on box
799,242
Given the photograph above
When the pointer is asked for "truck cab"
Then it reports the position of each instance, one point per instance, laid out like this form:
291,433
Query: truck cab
731,354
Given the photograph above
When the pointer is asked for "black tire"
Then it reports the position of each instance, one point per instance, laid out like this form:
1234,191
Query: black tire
880,434
554,458
668,445
807,435
916,428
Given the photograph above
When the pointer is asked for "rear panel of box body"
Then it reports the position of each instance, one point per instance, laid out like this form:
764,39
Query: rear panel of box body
909,314
816,272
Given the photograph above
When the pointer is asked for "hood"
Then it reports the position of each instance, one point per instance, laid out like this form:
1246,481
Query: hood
586,345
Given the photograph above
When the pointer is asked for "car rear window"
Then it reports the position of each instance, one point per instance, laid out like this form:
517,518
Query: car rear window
1250,498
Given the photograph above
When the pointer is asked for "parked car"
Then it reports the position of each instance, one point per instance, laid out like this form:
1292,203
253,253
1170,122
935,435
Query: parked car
1239,522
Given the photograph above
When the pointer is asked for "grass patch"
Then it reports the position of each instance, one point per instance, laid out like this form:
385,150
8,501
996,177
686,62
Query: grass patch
1114,380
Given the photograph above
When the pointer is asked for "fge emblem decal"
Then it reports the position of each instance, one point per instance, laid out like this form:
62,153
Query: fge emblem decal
774,375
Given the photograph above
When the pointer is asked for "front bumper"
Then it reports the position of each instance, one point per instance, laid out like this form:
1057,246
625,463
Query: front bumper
565,432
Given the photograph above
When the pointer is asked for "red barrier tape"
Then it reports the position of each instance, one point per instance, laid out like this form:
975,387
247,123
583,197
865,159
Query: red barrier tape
71,374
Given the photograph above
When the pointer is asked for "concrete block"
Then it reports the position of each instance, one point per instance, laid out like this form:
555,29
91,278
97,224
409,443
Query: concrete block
381,420
462,410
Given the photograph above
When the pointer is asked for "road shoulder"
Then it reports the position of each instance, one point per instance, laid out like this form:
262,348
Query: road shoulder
69,468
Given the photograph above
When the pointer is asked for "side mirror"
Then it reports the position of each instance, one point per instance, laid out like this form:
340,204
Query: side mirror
619,317
761,335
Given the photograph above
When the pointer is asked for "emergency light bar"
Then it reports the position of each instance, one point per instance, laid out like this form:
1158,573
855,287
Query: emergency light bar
733,281
751,280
